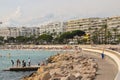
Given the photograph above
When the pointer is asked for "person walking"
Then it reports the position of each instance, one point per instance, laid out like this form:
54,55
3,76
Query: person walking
102,55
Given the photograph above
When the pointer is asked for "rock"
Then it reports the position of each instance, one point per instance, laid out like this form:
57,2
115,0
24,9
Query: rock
41,69
37,77
94,65
55,78
70,77
45,76
66,67
78,76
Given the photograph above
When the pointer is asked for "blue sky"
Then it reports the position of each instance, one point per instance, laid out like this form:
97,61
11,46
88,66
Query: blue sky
36,12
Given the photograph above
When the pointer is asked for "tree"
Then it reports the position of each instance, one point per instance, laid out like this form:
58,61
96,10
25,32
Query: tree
105,32
11,39
78,33
96,36
64,37
1,39
109,35
32,39
115,30
45,38
21,39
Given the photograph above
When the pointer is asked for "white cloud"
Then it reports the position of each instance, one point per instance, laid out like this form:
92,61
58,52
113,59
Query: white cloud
14,16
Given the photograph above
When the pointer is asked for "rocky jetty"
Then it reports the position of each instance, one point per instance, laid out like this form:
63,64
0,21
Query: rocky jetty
67,66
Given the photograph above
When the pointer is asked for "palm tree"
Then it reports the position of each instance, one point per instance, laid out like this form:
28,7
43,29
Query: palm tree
115,30
105,32
95,37
109,37
90,34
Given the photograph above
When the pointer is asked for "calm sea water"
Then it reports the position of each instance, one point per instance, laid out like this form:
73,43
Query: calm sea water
36,56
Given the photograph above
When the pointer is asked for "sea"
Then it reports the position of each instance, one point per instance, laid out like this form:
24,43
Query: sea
36,56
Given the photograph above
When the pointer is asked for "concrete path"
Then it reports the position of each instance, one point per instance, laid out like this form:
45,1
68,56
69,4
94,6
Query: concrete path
107,68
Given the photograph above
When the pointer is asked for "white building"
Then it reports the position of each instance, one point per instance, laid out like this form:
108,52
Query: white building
56,27
13,32
85,24
25,31
114,22
4,32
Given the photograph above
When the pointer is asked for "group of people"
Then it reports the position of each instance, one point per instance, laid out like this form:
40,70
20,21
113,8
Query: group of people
18,63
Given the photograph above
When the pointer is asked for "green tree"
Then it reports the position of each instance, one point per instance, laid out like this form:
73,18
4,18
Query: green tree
64,37
11,39
105,32
115,30
109,37
1,39
77,33
21,39
32,39
96,36
45,38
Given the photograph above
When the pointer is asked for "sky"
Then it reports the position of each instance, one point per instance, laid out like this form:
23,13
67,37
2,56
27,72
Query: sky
37,12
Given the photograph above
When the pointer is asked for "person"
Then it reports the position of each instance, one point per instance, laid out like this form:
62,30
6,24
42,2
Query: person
18,62
22,63
102,55
29,62
12,62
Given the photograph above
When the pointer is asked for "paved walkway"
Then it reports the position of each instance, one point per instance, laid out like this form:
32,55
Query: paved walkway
107,69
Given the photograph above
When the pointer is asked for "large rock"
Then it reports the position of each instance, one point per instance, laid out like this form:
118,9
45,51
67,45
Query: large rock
41,69
45,76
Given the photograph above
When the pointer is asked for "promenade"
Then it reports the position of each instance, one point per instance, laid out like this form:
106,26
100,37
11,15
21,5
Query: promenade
107,68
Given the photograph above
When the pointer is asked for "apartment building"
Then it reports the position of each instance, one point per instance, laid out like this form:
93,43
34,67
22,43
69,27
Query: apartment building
4,32
85,24
7,32
114,23
56,27
13,32
25,31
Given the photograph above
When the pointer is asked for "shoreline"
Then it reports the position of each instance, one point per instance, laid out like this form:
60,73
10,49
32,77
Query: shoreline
103,71
73,49
66,65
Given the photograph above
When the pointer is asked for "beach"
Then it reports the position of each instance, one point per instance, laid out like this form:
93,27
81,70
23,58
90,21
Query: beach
57,47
